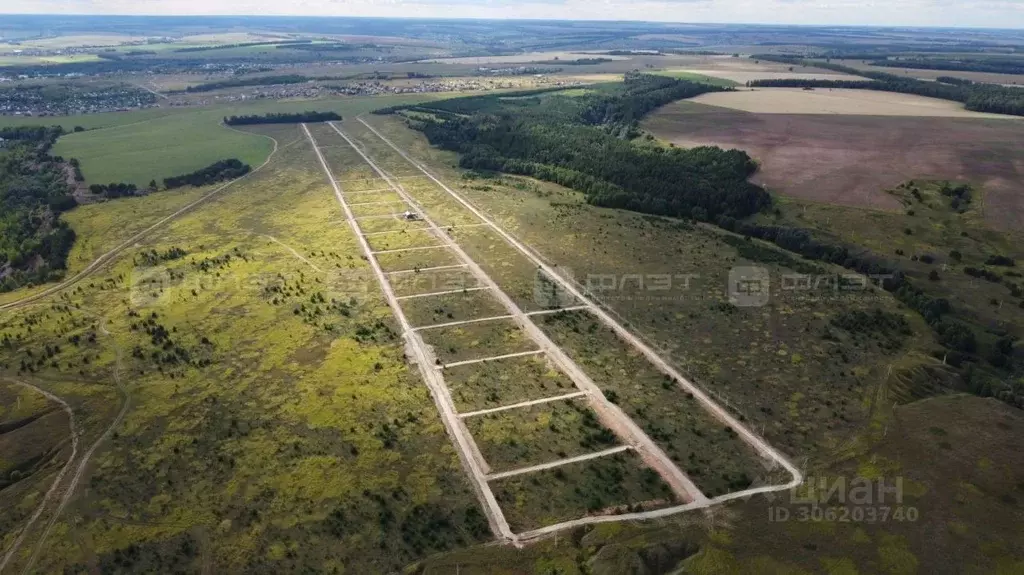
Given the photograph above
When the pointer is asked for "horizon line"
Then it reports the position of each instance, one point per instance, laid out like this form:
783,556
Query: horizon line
526,19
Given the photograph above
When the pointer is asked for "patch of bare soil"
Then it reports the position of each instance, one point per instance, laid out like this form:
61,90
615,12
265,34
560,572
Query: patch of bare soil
851,160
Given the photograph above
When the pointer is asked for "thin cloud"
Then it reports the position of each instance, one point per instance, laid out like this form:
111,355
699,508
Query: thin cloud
978,13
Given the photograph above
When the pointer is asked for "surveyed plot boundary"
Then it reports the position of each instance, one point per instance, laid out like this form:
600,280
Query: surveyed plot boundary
629,435
761,446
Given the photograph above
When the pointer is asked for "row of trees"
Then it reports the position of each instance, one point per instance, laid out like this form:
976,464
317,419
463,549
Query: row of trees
976,96
242,82
283,118
216,172
990,65
114,190
220,171
242,45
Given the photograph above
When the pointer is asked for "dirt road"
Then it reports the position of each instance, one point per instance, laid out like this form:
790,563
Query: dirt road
609,414
755,441
423,358
57,480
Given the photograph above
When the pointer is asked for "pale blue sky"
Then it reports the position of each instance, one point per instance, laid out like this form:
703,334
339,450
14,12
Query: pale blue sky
980,13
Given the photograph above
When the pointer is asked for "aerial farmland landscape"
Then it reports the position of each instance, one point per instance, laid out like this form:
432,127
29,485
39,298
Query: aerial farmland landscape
511,288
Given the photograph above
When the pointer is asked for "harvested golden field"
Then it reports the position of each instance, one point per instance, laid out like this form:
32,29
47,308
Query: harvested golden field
840,102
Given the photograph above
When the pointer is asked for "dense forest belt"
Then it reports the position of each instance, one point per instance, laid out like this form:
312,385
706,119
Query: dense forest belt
975,96
990,65
297,118
584,143
34,191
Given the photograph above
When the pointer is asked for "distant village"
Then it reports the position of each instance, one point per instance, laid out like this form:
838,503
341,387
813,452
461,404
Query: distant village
63,99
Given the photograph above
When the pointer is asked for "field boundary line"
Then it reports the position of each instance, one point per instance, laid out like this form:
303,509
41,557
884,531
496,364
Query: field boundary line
437,293
752,439
381,203
492,358
413,249
431,269
386,232
395,216
295,253
559,463
523,404
374,191
559,310
464,322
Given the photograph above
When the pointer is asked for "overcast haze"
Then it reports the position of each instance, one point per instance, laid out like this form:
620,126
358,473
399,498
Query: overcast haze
983,13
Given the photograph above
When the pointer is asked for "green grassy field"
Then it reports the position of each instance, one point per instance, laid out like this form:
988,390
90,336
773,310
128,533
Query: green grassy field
615,484
159,148
142,145
539,434
505,382
452,307
935,245
280,429
270,405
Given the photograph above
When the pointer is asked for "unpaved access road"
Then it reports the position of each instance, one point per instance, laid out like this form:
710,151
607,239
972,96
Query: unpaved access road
720,413
609,414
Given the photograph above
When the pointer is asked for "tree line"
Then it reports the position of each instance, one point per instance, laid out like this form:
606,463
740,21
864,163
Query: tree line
114,190
241,45
582,143
975,96
242,82
217,172
283,118
989,65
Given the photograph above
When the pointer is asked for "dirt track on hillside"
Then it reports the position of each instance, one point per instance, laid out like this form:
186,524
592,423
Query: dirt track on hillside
851,160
